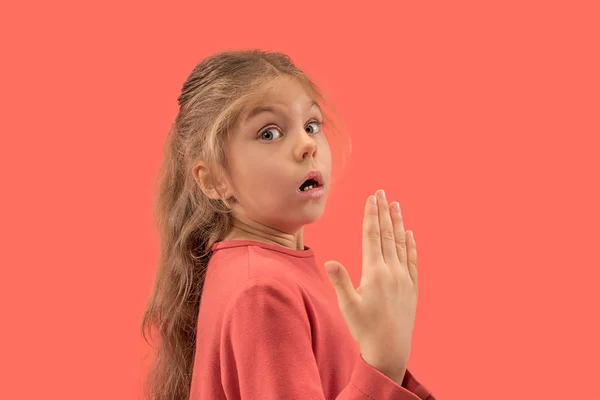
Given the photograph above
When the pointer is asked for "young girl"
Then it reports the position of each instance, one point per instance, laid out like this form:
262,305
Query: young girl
240,305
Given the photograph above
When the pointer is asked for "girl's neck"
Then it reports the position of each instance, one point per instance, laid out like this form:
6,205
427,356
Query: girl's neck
241,231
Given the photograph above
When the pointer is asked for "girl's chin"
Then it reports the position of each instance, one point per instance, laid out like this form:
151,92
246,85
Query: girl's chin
312,216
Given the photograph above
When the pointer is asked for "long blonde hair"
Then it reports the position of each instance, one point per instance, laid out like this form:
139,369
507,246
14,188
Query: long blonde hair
189,222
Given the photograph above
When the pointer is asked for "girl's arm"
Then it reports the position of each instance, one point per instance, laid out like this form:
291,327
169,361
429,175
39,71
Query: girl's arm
266,352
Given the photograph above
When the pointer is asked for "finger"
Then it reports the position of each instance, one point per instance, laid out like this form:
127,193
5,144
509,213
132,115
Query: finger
347,296
399,234
388,244
371,244
412,258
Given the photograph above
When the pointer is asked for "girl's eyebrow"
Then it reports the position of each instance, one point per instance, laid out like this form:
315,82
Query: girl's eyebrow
261,109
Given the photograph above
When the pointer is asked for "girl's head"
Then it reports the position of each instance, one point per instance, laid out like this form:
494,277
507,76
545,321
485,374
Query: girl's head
275,140
247,133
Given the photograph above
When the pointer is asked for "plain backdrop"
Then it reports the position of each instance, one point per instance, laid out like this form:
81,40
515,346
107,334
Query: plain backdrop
481,118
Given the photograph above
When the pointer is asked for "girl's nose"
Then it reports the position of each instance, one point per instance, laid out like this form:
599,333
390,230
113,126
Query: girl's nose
307,147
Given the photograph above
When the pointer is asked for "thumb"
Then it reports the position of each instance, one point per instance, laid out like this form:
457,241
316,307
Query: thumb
340,280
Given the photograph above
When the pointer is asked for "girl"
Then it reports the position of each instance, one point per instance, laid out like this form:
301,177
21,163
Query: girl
247,165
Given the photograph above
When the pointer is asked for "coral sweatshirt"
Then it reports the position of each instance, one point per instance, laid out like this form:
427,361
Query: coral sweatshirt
269,327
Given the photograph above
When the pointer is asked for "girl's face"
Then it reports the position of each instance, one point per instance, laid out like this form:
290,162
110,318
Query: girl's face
273,147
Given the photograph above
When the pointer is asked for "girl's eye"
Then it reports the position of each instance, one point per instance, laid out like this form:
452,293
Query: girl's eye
316,127
269,132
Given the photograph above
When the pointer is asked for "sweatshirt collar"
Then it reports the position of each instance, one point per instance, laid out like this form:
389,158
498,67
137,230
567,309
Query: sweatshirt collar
227,244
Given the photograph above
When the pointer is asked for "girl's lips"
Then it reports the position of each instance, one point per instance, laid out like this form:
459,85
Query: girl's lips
316,175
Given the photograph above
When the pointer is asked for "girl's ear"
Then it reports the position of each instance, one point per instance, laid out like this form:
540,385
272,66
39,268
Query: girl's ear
214,189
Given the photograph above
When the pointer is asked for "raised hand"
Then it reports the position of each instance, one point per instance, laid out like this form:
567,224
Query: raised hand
380,313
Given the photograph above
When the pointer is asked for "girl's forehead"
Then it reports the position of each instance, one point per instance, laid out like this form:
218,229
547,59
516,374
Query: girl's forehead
280,94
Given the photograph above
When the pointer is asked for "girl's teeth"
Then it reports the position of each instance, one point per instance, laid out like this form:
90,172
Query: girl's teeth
307,188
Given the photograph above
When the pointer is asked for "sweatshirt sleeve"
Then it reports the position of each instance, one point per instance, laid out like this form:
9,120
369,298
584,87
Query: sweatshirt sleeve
266,351
413,385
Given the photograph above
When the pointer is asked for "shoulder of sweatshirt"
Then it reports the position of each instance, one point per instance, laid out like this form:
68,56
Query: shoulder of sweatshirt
276,289
237,267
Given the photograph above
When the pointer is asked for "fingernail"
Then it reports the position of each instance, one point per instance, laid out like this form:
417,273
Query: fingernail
372,200
382,194
396,207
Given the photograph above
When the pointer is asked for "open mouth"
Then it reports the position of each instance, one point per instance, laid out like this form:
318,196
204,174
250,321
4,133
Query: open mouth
309,184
